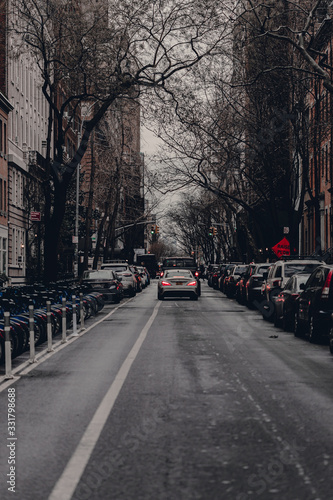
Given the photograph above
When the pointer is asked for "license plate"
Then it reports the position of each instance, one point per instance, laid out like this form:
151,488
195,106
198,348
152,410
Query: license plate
179,282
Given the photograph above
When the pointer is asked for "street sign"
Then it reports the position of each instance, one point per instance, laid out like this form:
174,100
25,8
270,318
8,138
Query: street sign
35,216
282,248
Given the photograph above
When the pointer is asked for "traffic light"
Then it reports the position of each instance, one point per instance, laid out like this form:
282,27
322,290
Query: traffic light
157,229
152,230
214,231
210,233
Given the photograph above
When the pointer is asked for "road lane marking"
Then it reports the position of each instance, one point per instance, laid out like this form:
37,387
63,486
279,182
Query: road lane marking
68,481
26,367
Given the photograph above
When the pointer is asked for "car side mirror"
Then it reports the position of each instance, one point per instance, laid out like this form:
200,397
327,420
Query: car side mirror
265,276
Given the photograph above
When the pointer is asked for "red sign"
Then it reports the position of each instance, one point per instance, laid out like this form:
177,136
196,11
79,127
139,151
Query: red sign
282,248
35,216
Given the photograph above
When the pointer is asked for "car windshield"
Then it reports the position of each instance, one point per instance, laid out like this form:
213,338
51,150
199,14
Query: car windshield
291,269
178,272
104,274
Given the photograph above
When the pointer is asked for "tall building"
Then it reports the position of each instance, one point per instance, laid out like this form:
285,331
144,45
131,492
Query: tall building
27,131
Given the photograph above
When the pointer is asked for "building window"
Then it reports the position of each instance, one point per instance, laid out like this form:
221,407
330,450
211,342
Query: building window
1,195
18,244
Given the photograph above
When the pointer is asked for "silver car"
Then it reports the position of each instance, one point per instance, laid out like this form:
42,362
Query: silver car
178,283
123,271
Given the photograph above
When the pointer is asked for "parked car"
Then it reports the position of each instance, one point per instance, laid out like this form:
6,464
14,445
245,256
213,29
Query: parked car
315,304
104,281
124,272
138,278
128,281
212,271
223,275
286,301
178,283
231,280
254,284
145,278
278,275
241,284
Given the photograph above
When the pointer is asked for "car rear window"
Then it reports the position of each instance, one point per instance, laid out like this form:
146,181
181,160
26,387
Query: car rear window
103,274
116,269
178,272
240,269
291,269
262,269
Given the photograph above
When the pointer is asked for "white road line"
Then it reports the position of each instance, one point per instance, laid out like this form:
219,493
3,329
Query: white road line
26,366
68,481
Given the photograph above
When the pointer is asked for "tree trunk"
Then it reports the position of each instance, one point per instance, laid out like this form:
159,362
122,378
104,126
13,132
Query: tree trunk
52,232
89,208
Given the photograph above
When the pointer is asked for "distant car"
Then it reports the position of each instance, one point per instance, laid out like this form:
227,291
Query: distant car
178,283
104,281
138,278
212,274
145,278
254,285
241,285
315,304
286,301
231,280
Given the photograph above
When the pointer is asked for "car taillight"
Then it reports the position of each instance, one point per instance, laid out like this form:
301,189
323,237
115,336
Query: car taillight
196,273
277,283
165,283
192,283
326,289
161,274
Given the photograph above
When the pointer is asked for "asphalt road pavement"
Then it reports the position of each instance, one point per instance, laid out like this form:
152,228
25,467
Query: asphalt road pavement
175,400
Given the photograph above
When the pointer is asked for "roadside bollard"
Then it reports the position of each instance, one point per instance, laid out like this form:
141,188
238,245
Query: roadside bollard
32,334
74,316
81,312
64,321
8,353
49,326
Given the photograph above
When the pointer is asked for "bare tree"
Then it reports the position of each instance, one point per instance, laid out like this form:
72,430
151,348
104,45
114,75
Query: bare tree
87,56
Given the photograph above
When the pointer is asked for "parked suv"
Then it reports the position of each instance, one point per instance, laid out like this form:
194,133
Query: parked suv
315,304
278,275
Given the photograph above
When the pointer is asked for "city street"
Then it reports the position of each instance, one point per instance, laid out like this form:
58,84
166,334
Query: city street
172,400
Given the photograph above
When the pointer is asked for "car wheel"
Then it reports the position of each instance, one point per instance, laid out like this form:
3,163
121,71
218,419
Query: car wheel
194,297
160,296
132,293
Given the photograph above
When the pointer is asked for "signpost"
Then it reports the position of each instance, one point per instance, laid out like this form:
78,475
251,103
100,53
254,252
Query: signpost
35,216
282,248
